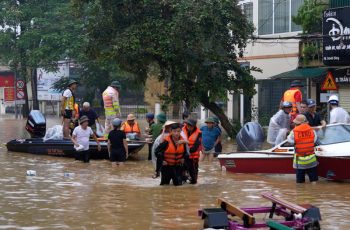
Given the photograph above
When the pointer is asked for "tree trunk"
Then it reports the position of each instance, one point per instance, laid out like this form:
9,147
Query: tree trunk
34,89
214,108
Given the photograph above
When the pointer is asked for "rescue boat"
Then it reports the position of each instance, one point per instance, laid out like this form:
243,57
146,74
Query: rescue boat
36,126
332,151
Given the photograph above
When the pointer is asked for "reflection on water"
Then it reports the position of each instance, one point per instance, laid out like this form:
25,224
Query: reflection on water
68,194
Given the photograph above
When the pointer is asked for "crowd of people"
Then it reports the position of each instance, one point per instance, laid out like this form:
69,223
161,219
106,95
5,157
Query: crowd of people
176,148
297,121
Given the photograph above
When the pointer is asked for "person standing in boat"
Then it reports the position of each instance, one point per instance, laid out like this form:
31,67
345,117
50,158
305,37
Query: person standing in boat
312,116
81,137
67,107
337,114
279,124
91,114
304,138
117,144
295,96
173,151
111,105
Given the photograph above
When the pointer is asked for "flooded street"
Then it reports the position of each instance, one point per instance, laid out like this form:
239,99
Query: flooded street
97,196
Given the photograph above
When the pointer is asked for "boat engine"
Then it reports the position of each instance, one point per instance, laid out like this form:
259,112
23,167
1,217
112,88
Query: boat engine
36,124
250,137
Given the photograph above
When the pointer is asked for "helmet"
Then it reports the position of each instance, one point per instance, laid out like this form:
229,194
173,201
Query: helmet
333,98
71,82
161,117
287,104
296,83
191,122
116,122
311,102
116,84
150,115
216,119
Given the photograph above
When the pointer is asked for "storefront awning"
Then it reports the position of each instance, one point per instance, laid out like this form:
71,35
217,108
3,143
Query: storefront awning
302,73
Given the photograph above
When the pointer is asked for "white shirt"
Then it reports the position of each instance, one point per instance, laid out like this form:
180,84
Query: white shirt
339,115
67,93
83,136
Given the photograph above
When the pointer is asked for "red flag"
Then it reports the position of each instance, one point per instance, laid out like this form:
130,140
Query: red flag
7,80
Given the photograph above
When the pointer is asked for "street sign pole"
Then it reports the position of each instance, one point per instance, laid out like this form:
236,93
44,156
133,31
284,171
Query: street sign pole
328,111
15,85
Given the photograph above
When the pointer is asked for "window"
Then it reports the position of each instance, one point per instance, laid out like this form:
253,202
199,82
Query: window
265,16
281,23
295,7
275,16
248,10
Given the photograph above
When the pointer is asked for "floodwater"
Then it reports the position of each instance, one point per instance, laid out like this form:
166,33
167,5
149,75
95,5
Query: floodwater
97,196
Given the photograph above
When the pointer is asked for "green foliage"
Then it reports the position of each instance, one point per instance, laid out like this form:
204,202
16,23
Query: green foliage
194,44
310,16
309,52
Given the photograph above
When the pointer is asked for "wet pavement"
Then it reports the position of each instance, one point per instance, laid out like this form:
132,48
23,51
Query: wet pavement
71,195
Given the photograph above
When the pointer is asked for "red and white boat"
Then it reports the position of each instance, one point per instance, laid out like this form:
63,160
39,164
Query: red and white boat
332,151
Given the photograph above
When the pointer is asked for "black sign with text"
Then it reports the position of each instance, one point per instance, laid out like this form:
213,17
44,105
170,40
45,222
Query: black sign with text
342,76
336,36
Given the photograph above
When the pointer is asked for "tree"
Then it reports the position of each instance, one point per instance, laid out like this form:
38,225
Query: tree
37,33
194,44
310,16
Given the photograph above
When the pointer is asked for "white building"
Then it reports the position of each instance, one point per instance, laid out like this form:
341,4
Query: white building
271,53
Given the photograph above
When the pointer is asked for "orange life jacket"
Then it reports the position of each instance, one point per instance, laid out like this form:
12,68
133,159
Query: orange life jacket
174,153
289,95
131,129
304,137
76,109
192,140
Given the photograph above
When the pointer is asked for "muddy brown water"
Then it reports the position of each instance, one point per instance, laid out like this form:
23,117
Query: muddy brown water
97,196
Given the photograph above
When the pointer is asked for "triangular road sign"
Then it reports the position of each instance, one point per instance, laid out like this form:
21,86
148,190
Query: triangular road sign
329,83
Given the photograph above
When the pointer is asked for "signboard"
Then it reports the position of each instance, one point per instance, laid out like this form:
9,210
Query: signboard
45,81
329,83
7,79
342,76
9,94
325,96
336,36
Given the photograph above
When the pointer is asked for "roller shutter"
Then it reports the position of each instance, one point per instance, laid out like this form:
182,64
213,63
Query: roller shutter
344,97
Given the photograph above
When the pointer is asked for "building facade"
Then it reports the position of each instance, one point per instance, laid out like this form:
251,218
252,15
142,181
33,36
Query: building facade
271,51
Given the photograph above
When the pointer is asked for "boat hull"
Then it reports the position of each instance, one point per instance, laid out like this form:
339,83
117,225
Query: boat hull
258,164
334,168
63,148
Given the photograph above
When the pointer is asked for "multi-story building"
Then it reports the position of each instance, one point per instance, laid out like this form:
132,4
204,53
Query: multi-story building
274,50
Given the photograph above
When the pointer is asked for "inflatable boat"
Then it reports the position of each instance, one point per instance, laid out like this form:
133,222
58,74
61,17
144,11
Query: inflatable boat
36,126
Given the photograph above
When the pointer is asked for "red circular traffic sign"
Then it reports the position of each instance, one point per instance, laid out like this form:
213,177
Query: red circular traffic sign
20,84
20,94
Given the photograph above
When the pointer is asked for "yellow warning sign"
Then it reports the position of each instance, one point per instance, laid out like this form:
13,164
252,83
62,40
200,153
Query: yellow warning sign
329,83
